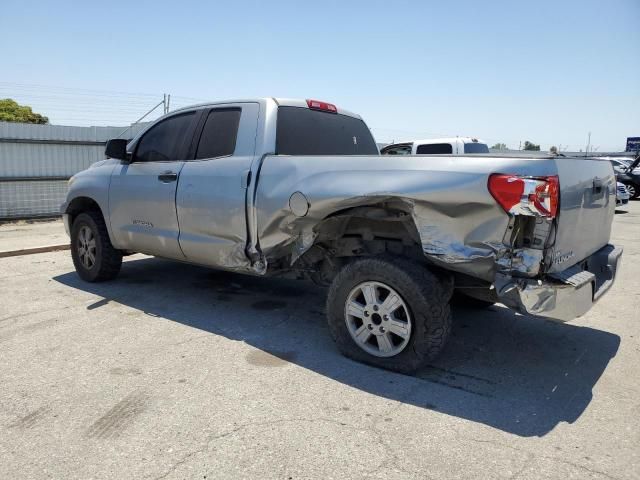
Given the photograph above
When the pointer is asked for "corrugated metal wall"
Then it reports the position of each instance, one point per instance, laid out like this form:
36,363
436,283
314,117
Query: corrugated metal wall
37,160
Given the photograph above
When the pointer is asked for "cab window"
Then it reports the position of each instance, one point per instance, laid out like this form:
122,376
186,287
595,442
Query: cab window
434,149
218,137
165,141
476,148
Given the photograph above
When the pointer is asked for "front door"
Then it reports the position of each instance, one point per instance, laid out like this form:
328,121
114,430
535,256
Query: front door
142,193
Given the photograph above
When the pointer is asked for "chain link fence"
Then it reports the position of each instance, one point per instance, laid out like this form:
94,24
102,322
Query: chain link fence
31,198
36,162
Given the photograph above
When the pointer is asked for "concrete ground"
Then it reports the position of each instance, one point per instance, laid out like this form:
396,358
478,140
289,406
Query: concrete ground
174,371
23,234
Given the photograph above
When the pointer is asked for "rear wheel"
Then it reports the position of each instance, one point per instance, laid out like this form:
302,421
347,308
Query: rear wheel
93,255
390,313
633,190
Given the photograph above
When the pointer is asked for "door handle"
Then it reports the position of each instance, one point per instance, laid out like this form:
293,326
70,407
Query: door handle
167,177
597,185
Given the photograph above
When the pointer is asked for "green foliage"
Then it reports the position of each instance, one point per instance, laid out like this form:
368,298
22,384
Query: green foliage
531,146
11,111
500,146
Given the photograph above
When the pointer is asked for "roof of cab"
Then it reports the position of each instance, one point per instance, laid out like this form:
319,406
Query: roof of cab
449,140
281,102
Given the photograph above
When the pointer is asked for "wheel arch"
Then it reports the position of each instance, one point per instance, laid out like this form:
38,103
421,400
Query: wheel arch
85,203
82,204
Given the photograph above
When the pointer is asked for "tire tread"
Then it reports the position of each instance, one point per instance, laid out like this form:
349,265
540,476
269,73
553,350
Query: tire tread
432,324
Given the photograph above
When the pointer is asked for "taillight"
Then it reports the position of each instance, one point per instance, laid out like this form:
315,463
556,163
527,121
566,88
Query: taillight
535,196
324,106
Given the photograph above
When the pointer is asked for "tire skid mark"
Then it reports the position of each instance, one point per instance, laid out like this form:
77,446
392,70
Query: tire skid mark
478,386
30,419
460,374
119,417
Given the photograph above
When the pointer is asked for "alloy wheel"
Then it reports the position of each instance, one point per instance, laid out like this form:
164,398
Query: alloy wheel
378,319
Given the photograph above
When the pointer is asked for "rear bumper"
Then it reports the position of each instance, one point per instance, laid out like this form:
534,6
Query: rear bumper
564,295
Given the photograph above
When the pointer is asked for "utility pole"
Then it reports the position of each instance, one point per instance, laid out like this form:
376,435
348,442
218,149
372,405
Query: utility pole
165,103
588,144
520,146
161,102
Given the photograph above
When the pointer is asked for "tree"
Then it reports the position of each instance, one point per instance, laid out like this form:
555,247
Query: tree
531,146
500,146
11,111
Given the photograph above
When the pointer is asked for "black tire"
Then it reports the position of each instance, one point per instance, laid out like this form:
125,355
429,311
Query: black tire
634,190
426,295
108,260
459,298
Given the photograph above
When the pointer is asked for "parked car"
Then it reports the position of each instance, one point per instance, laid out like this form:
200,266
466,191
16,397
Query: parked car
621,163
437,146
630,176
622,194
297,188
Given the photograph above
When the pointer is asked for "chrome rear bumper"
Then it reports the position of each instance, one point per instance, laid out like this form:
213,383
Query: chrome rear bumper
565,295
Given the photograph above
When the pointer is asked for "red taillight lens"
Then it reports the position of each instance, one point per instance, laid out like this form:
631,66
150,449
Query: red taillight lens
506,189
535,196
324,106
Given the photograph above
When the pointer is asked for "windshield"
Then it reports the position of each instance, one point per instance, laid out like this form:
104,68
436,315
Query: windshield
476,148
302,131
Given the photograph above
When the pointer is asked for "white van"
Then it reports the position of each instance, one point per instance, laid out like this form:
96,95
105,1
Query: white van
437,146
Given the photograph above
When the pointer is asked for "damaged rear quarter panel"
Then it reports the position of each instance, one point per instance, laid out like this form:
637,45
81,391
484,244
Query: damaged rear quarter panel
461,227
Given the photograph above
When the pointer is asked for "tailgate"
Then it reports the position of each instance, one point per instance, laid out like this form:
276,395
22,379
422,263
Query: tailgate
587,207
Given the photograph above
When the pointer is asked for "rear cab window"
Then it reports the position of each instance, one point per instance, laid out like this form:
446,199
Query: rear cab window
476,148
303,131
434,149
404,149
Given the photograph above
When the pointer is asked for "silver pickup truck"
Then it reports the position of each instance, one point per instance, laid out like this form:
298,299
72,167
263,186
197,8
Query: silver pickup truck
298,188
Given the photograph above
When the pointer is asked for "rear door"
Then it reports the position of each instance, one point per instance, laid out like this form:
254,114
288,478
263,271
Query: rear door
211,195
587,208
142,193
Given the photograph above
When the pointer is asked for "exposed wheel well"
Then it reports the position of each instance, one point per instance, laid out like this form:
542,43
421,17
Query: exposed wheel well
386,228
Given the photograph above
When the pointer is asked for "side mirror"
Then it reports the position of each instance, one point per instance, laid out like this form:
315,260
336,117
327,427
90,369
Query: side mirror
117,148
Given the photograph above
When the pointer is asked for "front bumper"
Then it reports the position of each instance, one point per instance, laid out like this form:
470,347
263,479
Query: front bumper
65,220
564,295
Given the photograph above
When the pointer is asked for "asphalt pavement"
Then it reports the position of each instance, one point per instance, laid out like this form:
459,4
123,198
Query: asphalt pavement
176,371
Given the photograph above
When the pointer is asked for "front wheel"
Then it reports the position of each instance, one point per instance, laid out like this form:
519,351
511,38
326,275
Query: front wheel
390,313
93,255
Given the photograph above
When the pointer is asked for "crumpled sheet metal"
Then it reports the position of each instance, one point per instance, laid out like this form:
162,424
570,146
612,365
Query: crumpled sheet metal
468,240
525,261
553,300
460,225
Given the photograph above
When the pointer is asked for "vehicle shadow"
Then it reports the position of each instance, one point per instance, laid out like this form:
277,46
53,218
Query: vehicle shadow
514,373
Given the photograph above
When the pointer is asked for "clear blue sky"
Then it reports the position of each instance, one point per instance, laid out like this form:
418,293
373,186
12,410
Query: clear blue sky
547,71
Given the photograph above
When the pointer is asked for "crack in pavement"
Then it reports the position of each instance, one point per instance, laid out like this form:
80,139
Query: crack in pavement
213,438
